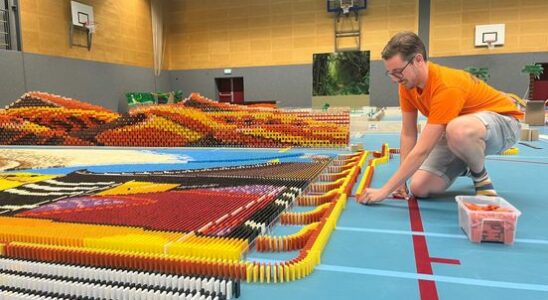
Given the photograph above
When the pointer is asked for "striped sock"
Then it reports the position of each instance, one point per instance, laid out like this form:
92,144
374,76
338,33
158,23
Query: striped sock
483,184
467,172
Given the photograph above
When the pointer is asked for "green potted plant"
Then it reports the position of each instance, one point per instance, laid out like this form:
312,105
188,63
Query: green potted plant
481,73
534,71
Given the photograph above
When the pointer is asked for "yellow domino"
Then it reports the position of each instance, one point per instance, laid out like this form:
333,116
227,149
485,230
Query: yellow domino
249,272
255,273
292,272
287,273
511,151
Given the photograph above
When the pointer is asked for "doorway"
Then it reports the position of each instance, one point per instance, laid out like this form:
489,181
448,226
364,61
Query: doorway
540,85
230,90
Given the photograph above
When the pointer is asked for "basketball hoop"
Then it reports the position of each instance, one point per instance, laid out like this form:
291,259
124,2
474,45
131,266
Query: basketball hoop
345,9
346,6
490,38
91,26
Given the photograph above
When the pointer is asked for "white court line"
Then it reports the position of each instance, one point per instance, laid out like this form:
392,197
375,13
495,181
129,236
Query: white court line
416,276
436,278
429,234
518,156
382,133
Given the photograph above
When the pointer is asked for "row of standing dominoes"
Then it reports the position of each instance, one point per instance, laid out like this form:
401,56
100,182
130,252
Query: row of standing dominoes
312,238
103,282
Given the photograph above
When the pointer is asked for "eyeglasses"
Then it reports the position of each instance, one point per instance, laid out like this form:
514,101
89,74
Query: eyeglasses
399,73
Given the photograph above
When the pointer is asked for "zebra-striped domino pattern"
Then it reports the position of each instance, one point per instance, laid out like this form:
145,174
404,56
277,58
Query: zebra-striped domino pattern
59,281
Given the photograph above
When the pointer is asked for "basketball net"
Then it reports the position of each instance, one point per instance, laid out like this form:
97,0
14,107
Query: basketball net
490,45
346,6
91,26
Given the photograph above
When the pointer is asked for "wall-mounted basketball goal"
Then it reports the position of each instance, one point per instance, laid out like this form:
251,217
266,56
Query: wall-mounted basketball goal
347,23
82,22
489,35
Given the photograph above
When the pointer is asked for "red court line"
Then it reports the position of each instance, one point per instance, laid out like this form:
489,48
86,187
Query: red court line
427,288
442,260
423,260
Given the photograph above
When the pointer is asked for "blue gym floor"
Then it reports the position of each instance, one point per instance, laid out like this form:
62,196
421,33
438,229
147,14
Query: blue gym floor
371,254
375,253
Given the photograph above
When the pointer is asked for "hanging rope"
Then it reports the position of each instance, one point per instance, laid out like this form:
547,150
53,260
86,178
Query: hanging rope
158,37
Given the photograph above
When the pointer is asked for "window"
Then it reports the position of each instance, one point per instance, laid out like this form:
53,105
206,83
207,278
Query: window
9,22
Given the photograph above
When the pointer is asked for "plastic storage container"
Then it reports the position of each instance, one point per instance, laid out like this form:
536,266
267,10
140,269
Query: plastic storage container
488,225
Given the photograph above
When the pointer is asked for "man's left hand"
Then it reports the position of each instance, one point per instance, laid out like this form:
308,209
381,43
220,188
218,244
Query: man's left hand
370,196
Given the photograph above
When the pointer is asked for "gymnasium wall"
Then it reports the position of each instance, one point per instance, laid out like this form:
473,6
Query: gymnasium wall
123,36
270,43
204,39
243,33
504,69
452,25
12,77
120,59
291,84
96,82
451,42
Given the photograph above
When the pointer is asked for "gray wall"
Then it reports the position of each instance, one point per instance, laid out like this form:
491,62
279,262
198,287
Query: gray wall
99,83
290,85
95,82
12,78
382,91
504,69
162,83
105,84
424,22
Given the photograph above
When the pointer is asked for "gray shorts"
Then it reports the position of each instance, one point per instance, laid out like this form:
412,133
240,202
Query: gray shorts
502,132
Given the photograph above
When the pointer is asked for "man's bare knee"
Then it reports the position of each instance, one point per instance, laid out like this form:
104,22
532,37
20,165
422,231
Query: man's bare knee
459,137
419,190
424,184
461,133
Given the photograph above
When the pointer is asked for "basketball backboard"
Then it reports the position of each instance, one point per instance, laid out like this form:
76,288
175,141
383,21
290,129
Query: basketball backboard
82,14
346,6
489,35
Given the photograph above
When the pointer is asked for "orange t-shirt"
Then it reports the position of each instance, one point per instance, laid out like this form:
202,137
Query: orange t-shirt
450,93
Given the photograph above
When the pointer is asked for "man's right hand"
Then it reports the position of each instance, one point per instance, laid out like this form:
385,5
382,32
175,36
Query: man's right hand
401,192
